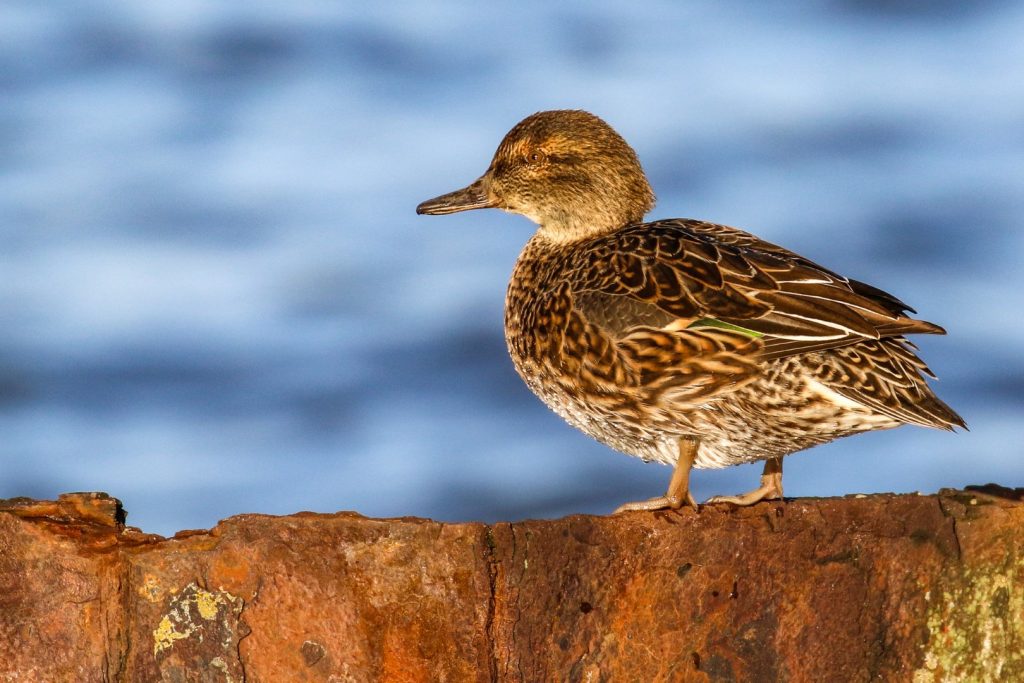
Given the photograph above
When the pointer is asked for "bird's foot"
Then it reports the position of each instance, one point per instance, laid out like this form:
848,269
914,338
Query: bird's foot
659,503
770,488
678,493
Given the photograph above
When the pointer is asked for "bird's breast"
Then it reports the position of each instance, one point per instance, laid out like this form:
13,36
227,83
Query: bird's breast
536,309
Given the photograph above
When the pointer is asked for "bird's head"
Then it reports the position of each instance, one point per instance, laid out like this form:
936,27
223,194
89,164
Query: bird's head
567,171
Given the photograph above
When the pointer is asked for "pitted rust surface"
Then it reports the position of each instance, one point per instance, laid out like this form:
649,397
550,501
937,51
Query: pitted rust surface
883,587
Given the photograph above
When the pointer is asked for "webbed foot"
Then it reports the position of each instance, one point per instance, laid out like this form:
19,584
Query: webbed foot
658,503
678,493
770,488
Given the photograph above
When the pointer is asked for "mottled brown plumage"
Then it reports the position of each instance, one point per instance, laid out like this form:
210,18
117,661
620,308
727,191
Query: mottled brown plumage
682,341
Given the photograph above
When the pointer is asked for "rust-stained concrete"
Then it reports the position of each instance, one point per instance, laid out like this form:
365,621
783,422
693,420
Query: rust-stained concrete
883,587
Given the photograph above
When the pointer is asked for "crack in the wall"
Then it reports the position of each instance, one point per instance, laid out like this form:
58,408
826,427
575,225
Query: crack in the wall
956,540
951,514
122,597
492,580
248,630
518,612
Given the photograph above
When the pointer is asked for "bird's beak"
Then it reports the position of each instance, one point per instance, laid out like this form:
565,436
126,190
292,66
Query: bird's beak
473,196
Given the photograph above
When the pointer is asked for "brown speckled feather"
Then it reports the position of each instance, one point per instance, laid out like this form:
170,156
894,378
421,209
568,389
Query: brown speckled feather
685,270
682,269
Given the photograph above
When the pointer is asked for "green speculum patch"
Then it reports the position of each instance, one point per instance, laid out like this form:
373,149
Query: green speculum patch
714,322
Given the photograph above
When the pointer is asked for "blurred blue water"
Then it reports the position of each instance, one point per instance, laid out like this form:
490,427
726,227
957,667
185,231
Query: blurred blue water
215,296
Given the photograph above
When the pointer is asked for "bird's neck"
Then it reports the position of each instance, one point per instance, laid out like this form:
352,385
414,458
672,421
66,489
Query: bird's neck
576,227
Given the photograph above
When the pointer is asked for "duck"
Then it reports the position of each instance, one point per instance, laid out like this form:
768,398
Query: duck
682,341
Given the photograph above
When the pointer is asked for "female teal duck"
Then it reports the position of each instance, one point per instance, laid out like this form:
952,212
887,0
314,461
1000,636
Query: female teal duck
682,341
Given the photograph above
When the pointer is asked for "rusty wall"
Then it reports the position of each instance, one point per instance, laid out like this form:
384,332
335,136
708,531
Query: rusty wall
884,587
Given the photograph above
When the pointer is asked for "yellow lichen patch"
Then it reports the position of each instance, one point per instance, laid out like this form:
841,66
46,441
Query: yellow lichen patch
207,602
165,634
189,609
974,627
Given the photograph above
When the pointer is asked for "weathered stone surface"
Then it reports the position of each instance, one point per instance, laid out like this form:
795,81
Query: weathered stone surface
886,587
311,597
60,610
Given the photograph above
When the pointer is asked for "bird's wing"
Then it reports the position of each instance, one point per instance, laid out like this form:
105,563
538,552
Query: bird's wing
611,342
700,276
886,376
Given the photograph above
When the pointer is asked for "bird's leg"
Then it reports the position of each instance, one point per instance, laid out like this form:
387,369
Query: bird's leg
678,493
770,488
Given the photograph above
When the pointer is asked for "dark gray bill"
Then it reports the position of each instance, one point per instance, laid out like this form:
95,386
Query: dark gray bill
472,197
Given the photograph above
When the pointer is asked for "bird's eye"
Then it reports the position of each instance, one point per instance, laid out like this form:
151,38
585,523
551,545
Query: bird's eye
535,157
